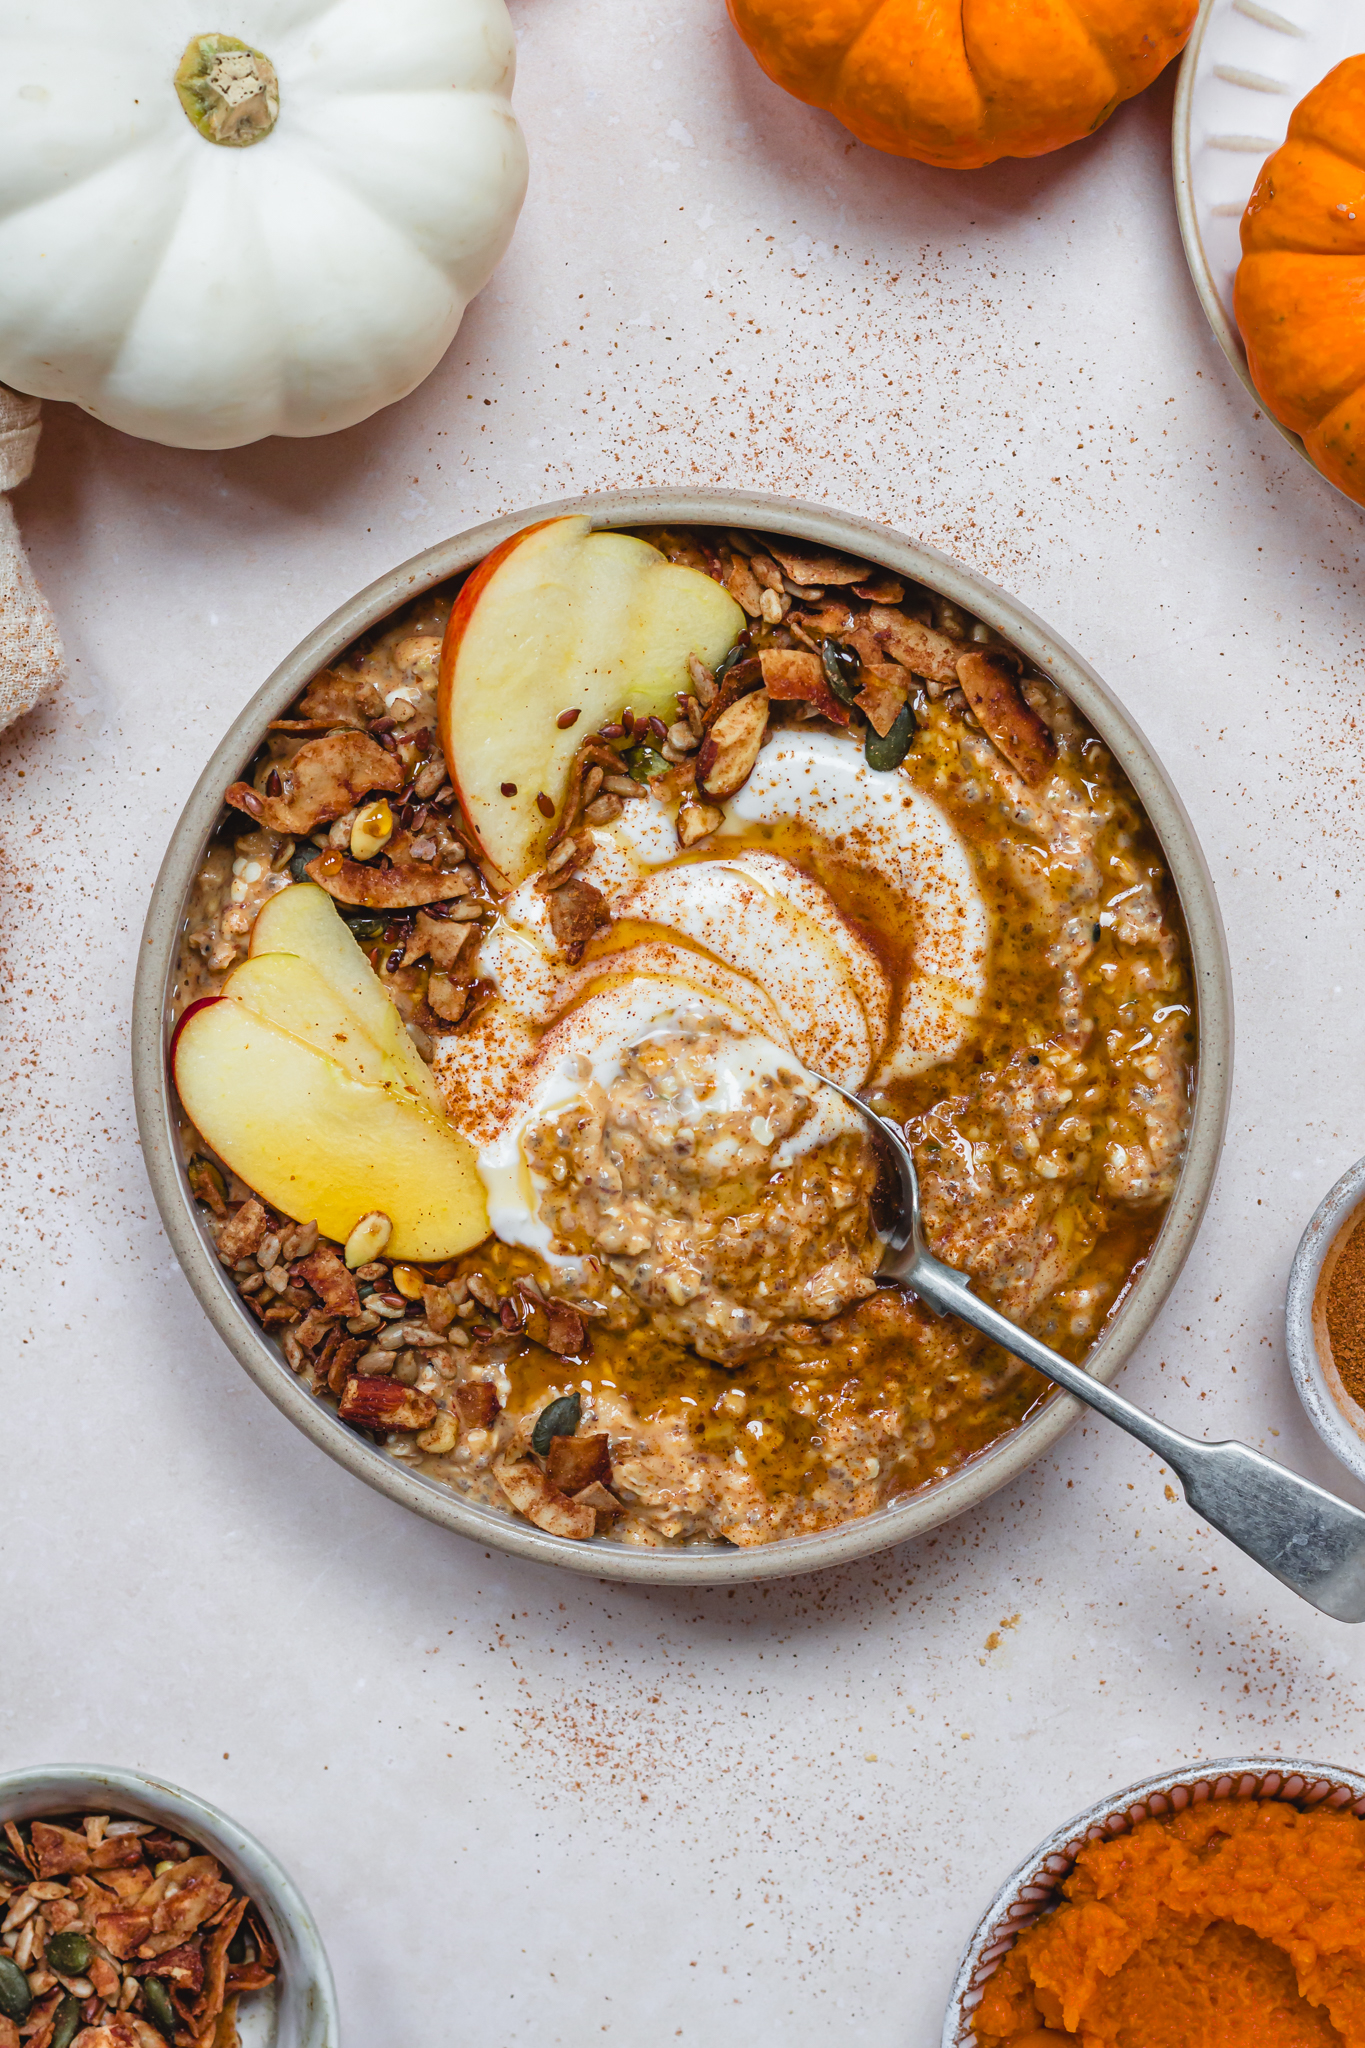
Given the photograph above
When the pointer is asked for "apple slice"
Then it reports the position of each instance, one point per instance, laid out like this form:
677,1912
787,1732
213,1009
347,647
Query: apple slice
303,919
319,1144
561,618
287,991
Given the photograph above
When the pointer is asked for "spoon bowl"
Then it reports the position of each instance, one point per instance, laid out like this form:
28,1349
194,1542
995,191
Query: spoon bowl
1304,1536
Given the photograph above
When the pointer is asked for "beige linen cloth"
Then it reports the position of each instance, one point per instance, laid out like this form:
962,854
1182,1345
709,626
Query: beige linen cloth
32,663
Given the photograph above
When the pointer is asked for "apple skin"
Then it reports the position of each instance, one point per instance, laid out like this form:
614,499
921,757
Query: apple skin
561,617
471,590
199,1003
319,1145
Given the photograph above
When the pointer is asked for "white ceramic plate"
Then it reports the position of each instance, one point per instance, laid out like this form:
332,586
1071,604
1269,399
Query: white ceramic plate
1247,66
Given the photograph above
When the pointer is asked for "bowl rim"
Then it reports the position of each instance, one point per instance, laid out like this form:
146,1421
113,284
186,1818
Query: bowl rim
1226,332
1030,1887
307,2015
1326,1405
711,1564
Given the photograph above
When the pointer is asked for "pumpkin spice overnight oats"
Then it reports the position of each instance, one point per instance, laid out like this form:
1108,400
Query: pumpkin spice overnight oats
507,985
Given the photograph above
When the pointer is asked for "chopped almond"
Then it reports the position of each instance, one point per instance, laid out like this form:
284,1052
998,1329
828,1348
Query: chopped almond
122,1933
440,1308
242,1236
599,1499
532,1495
324,779
697,822
574,1462
743,586
58,1850
726,757
404,885
327,1276
117,1852
882,695
882,589
916,647
439,940
789,675
476,1403
333,699
446,999
380,1403
577,913
992,690
818,566
183,1966
555,1324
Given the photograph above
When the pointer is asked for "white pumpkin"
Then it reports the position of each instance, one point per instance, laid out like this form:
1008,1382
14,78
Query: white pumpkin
271,229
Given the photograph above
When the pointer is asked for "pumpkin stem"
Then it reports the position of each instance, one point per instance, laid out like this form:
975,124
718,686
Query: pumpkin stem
229,90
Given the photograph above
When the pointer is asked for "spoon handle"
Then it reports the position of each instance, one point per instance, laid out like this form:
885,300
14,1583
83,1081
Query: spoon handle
1311,1541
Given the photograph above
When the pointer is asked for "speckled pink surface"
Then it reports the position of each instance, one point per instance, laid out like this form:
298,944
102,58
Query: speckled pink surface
534,1811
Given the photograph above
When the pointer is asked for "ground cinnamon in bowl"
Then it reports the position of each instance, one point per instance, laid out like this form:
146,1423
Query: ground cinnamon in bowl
1339,1321
1339,1312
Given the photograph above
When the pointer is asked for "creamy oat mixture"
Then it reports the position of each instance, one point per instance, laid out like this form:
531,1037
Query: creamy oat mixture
690,1196
685,1251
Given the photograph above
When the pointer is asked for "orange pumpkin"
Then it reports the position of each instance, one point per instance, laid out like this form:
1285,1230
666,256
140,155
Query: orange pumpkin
962,82
1300,293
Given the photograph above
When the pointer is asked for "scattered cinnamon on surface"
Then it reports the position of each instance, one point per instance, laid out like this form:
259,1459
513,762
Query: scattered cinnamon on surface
1344,1312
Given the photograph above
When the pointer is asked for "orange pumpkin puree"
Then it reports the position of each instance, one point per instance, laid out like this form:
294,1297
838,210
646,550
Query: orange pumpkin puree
1238,1924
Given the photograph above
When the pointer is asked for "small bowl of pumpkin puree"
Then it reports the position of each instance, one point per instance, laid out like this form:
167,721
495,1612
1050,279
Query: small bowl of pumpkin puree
1325,1319
1218,1908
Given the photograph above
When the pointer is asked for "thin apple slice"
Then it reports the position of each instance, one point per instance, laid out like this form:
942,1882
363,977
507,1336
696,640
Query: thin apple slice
561,618
287,990
320,1145
303,919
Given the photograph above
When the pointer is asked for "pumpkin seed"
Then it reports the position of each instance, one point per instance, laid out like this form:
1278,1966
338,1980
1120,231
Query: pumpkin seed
644,762
561,1418
727,661
66,2021
298,866
69,1953
15,1996
890,749
366,927
843,668
159,2006
12,1870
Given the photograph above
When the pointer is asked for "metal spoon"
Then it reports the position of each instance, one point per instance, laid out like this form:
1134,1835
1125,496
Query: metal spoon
1307,1538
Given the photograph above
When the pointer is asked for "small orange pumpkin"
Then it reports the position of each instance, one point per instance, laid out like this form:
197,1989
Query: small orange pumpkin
1300,292
962,82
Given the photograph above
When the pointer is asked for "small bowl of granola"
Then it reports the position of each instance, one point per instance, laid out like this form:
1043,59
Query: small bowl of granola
494,972
134,1913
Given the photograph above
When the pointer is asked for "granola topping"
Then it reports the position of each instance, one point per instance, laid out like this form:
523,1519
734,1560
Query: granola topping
117,1934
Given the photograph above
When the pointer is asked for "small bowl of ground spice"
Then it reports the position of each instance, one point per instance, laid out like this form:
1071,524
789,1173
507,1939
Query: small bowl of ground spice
1325,1319
1219,1903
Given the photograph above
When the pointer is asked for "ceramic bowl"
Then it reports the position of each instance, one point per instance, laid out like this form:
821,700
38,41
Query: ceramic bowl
300,2009
601,1558
1338,1420
1035,1886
